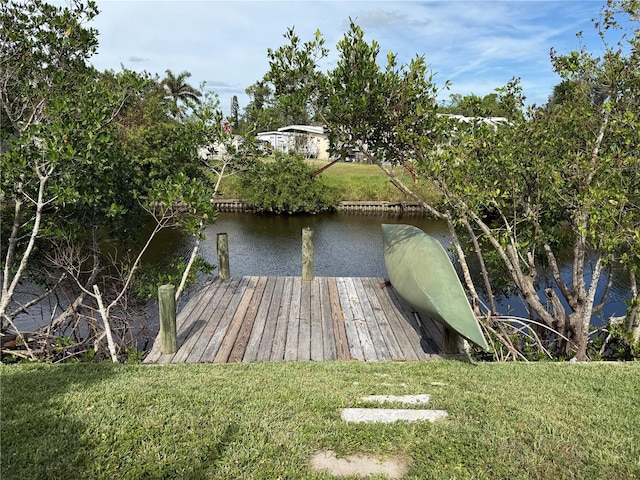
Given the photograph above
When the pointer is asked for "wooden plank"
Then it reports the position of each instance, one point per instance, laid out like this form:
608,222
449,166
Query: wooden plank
427,342
240,328
229,328
371,322
283,318
359,319
200,320
265,346
433,331
411,326
293,321
304,331
224,316
328,336
214,314
397,323
372,286
338,321
154,354
355,347
437,326
257,333
280,334
317,339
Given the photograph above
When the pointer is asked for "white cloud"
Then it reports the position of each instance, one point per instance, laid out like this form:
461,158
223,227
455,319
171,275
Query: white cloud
478,45
134,59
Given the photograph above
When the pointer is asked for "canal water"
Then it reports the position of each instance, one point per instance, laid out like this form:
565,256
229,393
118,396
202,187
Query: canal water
345,245
348,245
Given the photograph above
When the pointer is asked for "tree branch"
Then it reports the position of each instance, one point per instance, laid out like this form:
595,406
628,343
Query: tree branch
483,266
8,293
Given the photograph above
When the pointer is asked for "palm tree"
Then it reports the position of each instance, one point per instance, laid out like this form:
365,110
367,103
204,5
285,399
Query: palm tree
179,91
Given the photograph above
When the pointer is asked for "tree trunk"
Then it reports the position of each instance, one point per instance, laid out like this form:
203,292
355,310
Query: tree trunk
633,317
107,327
579,333
561,322
634,321
483,266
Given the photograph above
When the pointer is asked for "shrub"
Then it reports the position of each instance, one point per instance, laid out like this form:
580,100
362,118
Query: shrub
285,185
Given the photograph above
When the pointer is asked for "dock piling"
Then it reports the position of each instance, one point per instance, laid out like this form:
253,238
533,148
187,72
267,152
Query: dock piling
451,342
167,305
222,243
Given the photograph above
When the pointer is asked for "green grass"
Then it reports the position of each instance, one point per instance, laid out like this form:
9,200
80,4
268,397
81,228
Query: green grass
264,421
352,181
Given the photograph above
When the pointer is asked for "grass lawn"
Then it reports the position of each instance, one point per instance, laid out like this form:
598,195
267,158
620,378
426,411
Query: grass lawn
357,181
264,421
352,181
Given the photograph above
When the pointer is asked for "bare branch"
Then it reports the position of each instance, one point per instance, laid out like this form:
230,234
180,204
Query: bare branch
483,267
38,299
107,327
8,293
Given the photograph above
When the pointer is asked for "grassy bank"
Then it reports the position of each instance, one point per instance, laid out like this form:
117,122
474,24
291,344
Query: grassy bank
264,421
352,181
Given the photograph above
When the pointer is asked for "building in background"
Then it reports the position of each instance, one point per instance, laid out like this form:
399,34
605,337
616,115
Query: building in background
309,140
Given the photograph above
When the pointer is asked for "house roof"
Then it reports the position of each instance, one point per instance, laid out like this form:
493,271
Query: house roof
302,129
272,132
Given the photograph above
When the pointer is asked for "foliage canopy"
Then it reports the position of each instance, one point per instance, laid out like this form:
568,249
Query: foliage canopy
523,191
285,185
88,158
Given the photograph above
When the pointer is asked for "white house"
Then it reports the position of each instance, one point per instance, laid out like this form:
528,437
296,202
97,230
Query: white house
306,139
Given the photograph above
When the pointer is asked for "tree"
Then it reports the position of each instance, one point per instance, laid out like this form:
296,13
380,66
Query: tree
38,86
521,194
261,114
234,112
181,95
297,76
85,157
285,186
490,105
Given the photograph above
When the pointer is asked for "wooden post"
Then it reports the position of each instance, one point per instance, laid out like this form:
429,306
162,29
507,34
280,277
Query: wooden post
223,256
167,302
450,342
307,254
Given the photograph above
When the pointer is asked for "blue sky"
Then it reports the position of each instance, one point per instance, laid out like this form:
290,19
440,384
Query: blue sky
476,45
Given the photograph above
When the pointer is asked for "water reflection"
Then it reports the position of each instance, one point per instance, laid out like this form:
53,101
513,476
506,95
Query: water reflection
344,245
348,245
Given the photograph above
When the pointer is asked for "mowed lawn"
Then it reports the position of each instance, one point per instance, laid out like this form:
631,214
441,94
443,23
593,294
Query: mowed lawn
265,420
353,182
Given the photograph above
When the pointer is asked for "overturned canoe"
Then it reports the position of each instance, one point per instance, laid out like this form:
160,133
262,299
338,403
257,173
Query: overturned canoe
422,273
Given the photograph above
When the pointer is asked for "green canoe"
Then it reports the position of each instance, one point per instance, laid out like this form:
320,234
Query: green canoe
421,272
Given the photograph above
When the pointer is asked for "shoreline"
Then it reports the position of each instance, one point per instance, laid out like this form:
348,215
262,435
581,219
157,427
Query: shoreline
351,206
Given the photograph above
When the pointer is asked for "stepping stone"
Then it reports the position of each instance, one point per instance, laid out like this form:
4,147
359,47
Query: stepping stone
421,399
403,385
360,465
390,415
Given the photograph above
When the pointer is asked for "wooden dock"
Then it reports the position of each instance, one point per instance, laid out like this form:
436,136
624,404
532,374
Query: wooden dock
259,319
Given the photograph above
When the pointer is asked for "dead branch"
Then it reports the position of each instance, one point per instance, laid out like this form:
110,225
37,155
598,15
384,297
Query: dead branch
7,293
483,267
104,313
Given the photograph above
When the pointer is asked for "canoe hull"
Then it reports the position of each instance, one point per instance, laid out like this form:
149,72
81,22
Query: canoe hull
422,273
